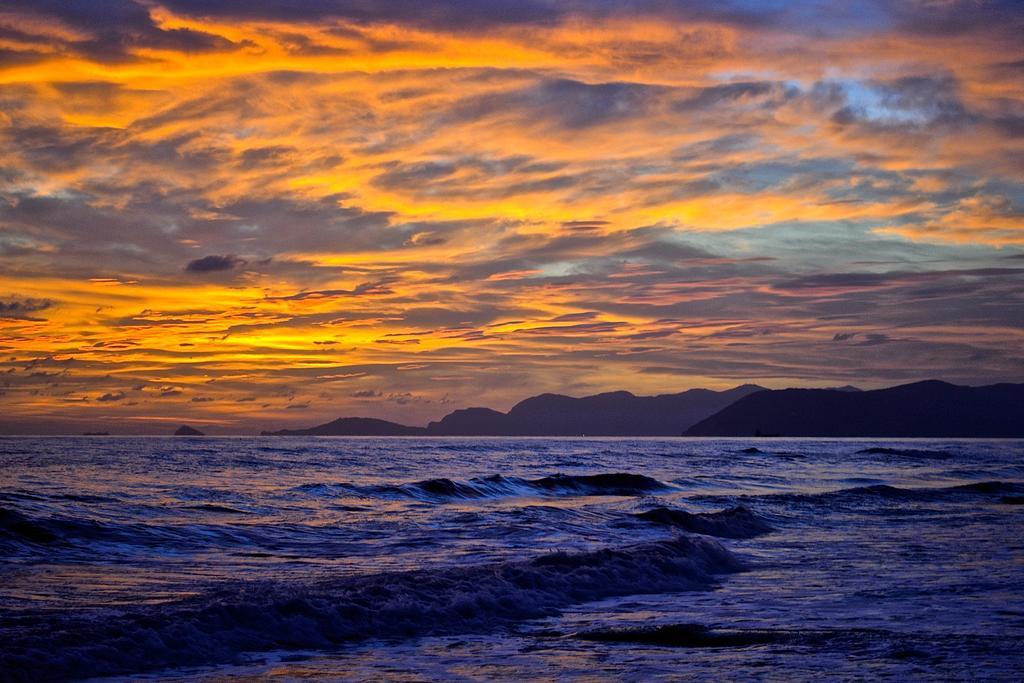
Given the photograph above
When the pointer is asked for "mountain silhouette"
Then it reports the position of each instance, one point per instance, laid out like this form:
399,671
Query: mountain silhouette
618,413
922,409
353,426
471,422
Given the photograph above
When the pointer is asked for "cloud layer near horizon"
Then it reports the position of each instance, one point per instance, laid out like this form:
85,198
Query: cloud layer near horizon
242,214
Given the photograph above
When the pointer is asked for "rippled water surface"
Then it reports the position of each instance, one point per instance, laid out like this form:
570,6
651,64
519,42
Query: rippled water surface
427,559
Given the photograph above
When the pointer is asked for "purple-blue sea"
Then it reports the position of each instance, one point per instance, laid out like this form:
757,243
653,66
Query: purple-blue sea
369,559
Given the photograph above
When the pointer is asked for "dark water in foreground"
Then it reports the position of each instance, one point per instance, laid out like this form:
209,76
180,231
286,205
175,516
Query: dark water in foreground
468,559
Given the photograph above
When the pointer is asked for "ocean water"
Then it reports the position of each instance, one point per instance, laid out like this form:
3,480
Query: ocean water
495,559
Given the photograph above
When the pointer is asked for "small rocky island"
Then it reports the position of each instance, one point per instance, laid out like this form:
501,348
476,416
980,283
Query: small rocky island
185,430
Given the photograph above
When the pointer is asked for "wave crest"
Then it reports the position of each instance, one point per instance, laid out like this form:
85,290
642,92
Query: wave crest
218,627
984,489
906,452
496,485
737,522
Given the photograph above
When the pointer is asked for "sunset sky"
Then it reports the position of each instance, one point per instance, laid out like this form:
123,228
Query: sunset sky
252,215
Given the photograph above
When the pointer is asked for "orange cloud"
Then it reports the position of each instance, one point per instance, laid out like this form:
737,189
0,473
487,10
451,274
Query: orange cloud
268,212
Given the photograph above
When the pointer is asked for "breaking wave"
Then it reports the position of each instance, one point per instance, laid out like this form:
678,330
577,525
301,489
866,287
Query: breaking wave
984,489
214,507
872,644
617,484
737,522
20,533
17,529
220,626
906,452
692,635
604,484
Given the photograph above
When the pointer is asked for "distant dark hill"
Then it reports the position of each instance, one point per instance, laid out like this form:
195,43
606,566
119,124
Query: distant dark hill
471,422
185,430
353,426
922,409
617,413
